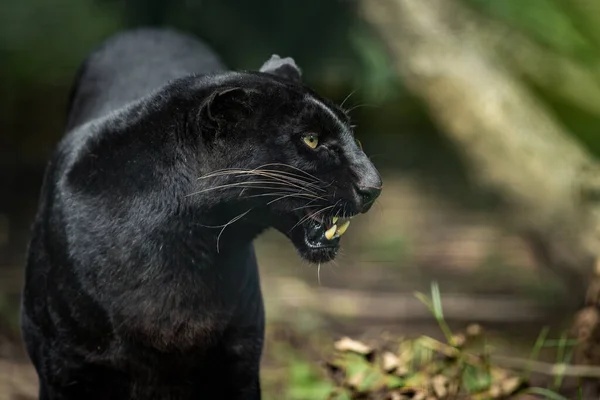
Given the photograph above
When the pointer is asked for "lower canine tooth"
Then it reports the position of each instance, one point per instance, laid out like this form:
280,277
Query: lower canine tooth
342,228
330,232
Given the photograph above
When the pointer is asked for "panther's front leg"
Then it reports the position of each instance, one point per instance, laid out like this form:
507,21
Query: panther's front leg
242,350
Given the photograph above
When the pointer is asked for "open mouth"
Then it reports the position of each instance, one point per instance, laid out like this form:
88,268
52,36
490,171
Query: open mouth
317,238
325,232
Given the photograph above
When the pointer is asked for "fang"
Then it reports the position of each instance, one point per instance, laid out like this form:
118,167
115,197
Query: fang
331,232
342,229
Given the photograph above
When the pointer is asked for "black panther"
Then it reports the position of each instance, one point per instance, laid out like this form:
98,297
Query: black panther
141,279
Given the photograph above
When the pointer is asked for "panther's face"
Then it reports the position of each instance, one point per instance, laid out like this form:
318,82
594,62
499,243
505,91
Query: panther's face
327,177
294,159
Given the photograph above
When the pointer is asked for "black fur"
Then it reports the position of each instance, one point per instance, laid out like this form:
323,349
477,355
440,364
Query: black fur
136,286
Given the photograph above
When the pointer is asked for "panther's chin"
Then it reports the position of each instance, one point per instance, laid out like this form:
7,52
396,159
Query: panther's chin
317,238
318,255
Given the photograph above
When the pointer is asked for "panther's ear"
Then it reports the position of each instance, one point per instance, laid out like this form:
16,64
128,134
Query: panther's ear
282,67
224,107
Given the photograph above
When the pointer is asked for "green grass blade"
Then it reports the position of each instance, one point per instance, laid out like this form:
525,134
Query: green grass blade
547,393
556,343
560,377
436,299
425,300
539,343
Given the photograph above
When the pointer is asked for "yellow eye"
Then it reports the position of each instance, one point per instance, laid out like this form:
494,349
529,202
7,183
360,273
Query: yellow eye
358,143
311,140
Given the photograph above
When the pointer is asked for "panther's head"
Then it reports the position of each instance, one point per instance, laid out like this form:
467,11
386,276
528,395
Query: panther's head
288,155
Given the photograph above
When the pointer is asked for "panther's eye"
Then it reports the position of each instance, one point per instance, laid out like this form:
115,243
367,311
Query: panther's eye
358,143
311,140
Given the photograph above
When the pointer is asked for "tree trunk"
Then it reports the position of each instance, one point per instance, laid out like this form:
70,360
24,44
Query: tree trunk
513,144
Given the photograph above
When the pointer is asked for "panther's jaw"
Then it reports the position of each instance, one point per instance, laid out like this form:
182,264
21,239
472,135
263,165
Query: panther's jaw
317,238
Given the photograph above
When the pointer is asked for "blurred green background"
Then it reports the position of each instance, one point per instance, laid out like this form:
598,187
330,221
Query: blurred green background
431,223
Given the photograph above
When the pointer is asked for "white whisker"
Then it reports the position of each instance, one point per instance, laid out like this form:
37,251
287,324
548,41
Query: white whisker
234,219
347,97
319,273
292,195
307,217
238,184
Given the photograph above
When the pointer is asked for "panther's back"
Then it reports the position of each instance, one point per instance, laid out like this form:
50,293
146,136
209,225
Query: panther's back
126,67
133,64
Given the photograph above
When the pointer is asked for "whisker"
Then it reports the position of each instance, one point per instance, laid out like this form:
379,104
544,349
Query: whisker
312,177
213,226
347,97
224,170
292,195
306,205
319,274
295,168
237,184
311,216
299,183
291,175
234,219
345,213
336,203
301,195
310,196
359,106
285,180
274,172
286,195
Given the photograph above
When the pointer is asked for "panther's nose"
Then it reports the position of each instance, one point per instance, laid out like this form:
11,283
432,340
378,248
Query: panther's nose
368,195
368,184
